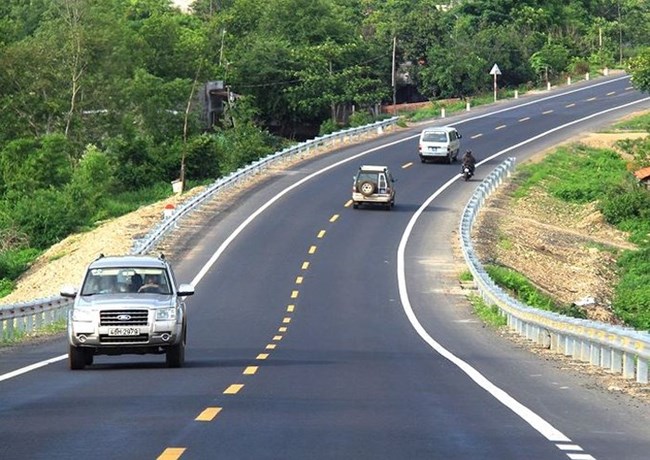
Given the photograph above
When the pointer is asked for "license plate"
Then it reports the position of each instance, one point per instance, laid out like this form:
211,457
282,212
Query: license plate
124,331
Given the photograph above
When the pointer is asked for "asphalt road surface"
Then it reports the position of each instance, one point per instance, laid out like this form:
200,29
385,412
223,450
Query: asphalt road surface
318,331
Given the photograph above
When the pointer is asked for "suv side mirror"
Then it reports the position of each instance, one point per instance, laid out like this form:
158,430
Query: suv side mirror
185,290
68,291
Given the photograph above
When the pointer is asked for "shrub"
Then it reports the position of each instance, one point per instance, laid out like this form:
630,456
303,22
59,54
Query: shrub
632,294
14,262
360,119
621,204
6,286
329,126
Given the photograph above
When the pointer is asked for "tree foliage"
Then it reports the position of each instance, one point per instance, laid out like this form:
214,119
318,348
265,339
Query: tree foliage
103,98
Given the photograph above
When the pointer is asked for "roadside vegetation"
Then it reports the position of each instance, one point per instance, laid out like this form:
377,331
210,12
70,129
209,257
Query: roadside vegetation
104,102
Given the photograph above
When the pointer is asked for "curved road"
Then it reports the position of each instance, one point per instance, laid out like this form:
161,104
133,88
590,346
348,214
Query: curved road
322,332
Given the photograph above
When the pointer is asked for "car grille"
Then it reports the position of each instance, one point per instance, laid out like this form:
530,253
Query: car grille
109,339
123,318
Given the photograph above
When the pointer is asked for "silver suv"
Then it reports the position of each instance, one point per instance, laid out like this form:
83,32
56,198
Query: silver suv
127,305
373,185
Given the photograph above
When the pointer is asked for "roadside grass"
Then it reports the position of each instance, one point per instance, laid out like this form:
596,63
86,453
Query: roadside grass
465,276
489,314
638,123
47,330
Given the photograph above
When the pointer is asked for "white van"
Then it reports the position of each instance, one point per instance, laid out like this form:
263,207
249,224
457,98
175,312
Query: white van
439,143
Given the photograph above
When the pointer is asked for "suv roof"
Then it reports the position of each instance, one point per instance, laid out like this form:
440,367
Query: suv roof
373,168
121,261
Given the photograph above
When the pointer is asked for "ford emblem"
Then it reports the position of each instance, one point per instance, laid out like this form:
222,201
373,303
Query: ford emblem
123,317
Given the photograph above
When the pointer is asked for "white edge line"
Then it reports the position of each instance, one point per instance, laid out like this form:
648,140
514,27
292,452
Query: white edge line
31,367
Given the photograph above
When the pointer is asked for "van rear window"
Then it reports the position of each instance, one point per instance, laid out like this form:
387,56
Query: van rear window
434,137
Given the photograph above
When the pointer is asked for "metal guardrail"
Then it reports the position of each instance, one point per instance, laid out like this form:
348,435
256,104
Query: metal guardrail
24,318
619,349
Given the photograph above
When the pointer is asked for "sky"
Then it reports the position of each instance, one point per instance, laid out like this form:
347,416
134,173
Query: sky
183,4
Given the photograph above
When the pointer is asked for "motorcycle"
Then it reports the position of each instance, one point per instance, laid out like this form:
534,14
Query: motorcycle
468,172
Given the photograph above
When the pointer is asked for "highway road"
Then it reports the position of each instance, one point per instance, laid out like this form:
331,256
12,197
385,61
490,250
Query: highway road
318,331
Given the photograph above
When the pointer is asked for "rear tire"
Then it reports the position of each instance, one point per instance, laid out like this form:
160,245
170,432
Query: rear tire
77,358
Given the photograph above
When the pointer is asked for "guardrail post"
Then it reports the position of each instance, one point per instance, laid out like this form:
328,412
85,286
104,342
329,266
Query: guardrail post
11,326
617,361
628,366
642,371
594,358
606,358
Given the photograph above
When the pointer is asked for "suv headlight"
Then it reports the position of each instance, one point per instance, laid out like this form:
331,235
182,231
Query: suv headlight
166,314
84,315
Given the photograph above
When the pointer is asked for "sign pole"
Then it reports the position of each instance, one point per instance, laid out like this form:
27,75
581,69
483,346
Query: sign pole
494,72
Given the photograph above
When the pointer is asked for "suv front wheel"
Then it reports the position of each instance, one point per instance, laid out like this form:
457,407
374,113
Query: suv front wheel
79,357
175,355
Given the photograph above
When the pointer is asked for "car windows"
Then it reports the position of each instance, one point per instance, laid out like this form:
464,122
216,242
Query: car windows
124,279
367,176
434,137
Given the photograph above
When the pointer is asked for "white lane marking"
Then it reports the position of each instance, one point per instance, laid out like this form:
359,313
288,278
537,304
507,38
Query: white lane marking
534,420
31,367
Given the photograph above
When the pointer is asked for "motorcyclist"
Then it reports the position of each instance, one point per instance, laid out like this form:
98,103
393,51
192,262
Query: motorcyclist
469,161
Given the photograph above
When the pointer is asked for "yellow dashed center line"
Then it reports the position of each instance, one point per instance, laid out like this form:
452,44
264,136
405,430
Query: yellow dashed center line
262,356
282,329
305,265
291,307
500,127
294,294
286,320
334,218
568,106
250,370
476,135
299,279
546,112
208,414
312,250
171,453
524,119
271,346
321,234
233,389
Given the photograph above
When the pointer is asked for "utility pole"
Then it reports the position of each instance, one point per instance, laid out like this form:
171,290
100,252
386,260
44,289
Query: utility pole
393,78
223,35
620,35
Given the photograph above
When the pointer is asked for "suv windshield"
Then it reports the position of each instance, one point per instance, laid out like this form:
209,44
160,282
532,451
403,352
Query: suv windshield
126,279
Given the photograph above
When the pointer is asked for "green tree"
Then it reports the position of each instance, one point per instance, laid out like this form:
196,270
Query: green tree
639,67
27,165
